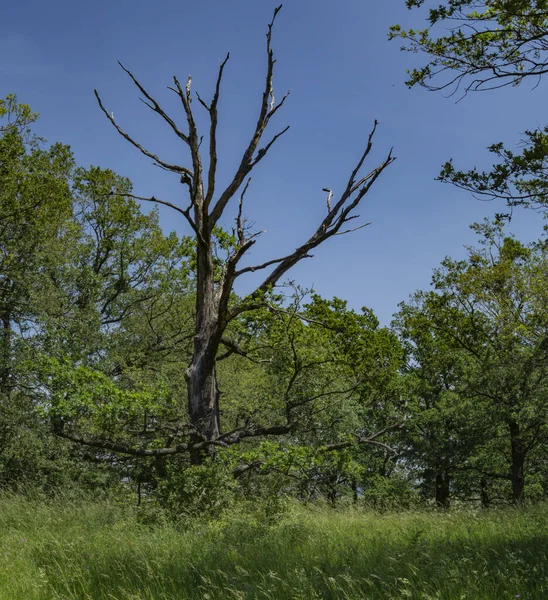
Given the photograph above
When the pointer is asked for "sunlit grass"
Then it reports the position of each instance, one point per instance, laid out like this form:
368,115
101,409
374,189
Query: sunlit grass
97,551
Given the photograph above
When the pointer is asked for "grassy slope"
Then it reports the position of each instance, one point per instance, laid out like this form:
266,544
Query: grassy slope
94,551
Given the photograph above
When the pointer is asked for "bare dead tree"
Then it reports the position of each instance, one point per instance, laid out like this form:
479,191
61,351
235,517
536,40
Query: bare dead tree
214,299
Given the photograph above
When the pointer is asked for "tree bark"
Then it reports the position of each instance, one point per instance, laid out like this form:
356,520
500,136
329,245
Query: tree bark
5,368
201,377
443,490
355,494
332,490
484,493
203,402
518,462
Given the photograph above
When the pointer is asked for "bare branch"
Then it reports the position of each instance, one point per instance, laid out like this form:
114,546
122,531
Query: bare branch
330,226
122,449
194,141
155,106
268,263
262,152
245,243
329,196
273,430
328,394
275,109
234,348
240,222
372,439
353,229
156,159
363,157
213,115
266,112
241,469
362,181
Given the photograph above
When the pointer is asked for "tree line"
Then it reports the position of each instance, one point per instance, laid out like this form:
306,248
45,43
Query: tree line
128,361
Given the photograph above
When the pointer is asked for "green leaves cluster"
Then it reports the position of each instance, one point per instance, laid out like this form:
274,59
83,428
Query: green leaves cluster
478,44
518,178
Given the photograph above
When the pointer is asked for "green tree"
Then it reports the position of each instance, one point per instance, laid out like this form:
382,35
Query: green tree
35,219
93,298
489,309
112,348
331,379
35,206
440,435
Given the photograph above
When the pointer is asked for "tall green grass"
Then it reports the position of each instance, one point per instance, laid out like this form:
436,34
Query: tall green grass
80,551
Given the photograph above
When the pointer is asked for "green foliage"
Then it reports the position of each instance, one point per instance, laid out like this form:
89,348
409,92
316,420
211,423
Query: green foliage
79,391
195,491
478,44
97,328
328,373
29,457
103,347
521,179
389,492
19,116
89,290
477,362
35,207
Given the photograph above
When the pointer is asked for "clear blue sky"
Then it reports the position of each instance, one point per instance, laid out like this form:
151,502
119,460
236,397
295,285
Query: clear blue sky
342,73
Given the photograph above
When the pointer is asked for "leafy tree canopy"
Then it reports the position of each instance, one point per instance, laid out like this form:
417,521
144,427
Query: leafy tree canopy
475,45
520,178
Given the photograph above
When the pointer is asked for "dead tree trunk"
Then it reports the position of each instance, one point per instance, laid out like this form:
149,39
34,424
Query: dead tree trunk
214,309
202,388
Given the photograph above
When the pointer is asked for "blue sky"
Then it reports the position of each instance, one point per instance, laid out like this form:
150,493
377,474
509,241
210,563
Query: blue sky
342,73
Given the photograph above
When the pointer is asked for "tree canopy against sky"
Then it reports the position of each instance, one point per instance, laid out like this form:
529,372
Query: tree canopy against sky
329,52
477,344
98,328
478,45
490,44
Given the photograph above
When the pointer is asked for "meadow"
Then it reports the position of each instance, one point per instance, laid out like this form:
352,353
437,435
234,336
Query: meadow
75,550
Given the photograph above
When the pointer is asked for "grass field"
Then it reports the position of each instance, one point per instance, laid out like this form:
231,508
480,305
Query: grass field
82,551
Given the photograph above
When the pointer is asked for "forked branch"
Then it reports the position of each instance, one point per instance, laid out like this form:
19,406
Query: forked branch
337,215
165,165
153,105
267,110
213,117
